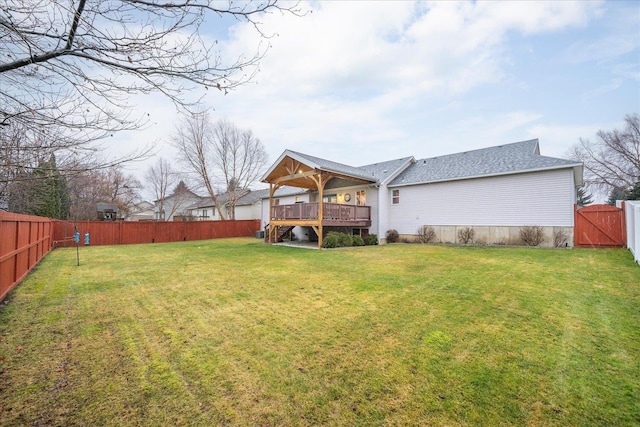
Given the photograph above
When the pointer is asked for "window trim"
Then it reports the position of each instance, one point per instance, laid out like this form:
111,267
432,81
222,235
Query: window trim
395,197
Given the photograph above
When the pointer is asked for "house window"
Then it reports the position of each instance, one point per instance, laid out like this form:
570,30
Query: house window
395,197
298,199
361,198
330,198
205,213
276,202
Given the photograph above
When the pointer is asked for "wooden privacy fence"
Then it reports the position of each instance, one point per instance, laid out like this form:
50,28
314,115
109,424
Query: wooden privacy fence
600,226
124,232
24,241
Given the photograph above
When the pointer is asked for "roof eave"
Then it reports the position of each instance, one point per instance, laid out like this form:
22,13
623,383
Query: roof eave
294,156
462,178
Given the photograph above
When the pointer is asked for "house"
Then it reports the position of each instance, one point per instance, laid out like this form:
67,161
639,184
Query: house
142,211
174,207
248,206
495,191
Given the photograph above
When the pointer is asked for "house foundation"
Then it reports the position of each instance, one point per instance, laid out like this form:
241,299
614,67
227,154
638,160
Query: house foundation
496,235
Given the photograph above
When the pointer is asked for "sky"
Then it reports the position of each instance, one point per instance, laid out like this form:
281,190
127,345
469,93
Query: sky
364,82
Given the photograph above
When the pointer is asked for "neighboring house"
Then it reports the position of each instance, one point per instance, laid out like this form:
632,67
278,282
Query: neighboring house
175,206
495,190
143,211
248,206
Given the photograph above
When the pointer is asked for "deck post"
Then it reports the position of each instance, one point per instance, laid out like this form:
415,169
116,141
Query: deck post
320,210
272,227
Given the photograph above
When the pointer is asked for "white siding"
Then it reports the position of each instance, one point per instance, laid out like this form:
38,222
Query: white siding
174,205
265,213
286,200
372,200
249,211
538,198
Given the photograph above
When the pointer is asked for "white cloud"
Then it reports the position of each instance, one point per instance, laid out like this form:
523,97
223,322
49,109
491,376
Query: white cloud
361,82
349,66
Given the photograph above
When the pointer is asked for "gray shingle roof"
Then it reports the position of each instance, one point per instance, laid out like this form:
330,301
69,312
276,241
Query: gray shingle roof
340,168
381,171
248,198
101,206
503,159
285,191
252,196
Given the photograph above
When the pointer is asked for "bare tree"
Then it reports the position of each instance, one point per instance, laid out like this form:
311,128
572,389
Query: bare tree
123,189
161,177
613,161
221,153
192,138
69,67
239,157
111,185
75,63
24,150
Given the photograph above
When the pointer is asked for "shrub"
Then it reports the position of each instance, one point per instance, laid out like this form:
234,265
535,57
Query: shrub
466,235
337,240
560,238
532,235
330,241
357,241
344,240
372,239
392,236
426,234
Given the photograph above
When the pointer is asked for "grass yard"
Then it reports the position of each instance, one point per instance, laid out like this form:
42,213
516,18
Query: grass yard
235,332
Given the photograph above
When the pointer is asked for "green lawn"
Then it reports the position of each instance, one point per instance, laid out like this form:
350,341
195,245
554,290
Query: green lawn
235,332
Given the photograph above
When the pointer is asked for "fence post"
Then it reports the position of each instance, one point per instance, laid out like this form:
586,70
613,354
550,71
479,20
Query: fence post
575,224
623,214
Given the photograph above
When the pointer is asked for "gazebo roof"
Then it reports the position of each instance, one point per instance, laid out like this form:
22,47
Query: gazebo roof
295,169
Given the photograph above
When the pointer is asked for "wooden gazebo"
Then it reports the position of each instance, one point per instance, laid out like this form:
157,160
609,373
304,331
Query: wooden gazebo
303,171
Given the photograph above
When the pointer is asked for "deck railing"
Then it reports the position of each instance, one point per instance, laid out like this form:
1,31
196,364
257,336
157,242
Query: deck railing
330,211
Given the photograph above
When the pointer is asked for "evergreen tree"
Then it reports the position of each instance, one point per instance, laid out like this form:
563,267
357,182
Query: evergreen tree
616,194
181,188
633,193
584,198
46,192
42,192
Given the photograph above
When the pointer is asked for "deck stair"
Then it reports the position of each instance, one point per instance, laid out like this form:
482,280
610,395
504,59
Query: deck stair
282,232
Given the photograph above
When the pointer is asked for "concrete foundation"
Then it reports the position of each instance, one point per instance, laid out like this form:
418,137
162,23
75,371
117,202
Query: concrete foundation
496,235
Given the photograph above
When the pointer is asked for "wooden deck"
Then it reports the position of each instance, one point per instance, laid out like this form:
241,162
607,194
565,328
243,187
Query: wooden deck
333,214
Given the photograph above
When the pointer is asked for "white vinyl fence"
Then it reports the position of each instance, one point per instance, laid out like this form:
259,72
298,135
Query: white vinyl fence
632,214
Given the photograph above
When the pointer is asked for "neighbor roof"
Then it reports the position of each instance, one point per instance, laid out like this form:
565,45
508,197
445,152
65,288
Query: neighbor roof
517,157
248,198
101,206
